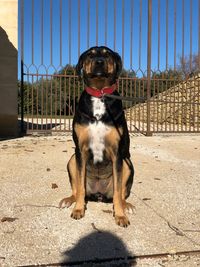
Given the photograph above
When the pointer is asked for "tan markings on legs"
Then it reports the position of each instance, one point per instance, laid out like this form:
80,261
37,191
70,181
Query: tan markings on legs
72,169
125,175
79,209
119,214
82,135
83,139
112,140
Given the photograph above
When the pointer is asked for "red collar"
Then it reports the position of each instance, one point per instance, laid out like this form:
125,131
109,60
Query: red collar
100,92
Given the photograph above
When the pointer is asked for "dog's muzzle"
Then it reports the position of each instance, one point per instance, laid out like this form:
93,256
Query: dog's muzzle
99,68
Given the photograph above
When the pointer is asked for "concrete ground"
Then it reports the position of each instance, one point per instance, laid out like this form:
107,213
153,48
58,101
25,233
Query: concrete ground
164,231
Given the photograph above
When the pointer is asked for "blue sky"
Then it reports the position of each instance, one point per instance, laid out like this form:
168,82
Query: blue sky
64,45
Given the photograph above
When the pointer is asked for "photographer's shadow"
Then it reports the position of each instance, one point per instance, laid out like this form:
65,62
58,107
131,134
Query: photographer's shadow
100,248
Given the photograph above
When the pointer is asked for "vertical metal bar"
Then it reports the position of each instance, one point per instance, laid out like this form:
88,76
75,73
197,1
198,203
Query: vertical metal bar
139,105
61,33
51,101
170,111
42,31
123,31
79,23
106,22
37,98
97,20
22,97
174,108
140,33
32,102
149,65
28,102
46,102
153,106
167,34
42,102
158,34
165,107
88,25
51,35
60,100
56,101
69,99
131,110
183,33
199,37
190,35
174,34
198,80
198,106
74,94
161,106
143,107
22,67
69,29
157,104
32,32
131,37
114,37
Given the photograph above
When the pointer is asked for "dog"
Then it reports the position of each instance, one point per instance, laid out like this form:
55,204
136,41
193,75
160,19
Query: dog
100,169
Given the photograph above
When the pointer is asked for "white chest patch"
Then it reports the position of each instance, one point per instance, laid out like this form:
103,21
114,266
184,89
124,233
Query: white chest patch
98,108
97,131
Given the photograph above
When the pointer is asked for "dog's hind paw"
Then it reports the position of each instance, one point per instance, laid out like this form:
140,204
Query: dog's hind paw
67,202
78,214
122,221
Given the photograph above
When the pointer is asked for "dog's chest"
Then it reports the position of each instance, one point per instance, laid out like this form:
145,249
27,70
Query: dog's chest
97,130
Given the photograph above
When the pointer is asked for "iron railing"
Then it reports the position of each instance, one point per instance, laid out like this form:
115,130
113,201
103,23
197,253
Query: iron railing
159,42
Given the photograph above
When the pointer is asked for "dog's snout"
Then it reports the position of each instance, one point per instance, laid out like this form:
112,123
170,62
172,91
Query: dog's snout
99,61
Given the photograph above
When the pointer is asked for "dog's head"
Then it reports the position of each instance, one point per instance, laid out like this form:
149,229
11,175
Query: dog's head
99,67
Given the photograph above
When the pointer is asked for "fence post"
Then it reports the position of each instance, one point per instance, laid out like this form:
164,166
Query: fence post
22,97
148,133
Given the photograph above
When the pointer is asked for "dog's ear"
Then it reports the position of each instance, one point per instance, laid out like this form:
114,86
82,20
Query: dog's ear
118,61
79,65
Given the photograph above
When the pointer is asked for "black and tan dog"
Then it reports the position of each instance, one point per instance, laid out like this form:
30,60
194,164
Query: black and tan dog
101,168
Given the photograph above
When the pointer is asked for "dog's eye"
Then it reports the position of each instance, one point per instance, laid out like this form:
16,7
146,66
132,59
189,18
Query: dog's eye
92,53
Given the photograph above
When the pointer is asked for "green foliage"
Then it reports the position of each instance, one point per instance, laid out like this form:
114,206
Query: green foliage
58,94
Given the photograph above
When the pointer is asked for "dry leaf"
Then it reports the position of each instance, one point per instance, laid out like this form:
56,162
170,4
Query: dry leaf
8,219
53,186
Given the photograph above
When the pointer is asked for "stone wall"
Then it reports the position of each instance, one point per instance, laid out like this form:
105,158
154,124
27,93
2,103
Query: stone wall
8,68
178,106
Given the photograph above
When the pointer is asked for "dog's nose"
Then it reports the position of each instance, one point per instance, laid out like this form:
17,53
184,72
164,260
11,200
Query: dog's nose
99,61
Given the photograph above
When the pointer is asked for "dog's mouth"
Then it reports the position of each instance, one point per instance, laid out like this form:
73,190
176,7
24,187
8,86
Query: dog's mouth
99,70
98,74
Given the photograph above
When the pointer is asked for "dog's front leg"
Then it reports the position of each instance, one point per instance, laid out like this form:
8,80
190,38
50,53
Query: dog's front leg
79,208
119,214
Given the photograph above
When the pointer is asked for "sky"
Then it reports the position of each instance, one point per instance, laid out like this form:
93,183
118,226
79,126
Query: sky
53,33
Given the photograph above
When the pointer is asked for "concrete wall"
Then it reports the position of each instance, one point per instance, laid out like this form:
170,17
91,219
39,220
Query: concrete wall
8,67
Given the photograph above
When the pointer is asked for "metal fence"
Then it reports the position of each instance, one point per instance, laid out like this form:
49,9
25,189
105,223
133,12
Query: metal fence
159,42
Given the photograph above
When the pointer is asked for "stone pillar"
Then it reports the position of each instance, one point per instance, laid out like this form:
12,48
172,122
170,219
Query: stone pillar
8,68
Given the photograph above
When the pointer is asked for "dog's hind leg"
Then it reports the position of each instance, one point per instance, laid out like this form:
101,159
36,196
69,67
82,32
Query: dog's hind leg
127,181
71,167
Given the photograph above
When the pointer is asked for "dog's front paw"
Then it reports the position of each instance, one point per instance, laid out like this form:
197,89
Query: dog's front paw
122,221
78,214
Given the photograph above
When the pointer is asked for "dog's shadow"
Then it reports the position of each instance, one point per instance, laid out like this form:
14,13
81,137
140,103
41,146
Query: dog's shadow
100,248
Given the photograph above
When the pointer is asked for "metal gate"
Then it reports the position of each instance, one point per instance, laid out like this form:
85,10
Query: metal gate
158,40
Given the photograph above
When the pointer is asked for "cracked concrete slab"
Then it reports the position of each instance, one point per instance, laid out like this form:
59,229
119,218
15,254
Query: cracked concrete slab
33,230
